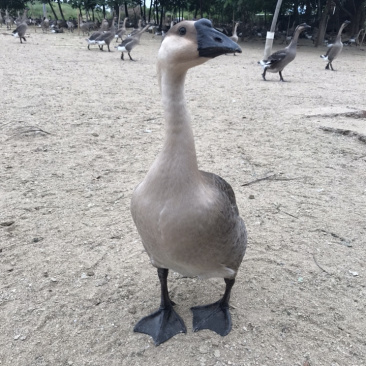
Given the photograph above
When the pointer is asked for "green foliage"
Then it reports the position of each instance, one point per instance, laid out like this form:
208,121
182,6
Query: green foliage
36,10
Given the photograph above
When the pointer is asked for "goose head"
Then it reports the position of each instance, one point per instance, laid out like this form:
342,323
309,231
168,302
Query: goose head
191,43
302,27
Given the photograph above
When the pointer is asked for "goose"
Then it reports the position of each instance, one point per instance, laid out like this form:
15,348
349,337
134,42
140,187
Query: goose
121,31
355,39
187,219
20,31
280,59
8,19
136,31
235,37
106,37
45,25
131,42
95,35
334,49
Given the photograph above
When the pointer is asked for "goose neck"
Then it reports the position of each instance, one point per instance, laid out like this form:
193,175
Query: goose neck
179,139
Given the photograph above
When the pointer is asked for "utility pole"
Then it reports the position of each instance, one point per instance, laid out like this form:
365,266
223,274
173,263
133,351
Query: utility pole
270,34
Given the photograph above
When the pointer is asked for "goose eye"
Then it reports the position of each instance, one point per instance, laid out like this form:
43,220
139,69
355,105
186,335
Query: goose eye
182,31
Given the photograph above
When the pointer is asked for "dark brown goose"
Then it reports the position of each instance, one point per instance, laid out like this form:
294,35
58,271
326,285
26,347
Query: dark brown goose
106,38
131,42
334,49
280,59
188,219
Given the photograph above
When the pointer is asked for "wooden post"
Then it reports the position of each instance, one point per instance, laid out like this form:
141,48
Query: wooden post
119,15
270,34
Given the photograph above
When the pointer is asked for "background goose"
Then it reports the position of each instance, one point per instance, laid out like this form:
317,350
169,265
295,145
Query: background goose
335,49
95,35
131,42
138,30
280,59
235,37
121,31
106,37
188,219
21,29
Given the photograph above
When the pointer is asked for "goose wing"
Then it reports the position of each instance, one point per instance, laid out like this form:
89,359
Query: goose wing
224,187
276,57
128,44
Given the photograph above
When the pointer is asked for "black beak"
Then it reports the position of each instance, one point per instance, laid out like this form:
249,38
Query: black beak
212,43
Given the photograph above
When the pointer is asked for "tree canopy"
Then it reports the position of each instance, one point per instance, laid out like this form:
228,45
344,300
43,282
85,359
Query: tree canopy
223,11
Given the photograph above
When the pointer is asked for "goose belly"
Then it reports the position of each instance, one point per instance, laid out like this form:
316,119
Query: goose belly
122,48
191,237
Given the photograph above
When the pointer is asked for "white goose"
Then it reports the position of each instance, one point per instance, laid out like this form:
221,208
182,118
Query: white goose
188,219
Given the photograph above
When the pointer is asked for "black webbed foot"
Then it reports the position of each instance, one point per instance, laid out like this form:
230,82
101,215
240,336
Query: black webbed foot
214,317
164,323
161,325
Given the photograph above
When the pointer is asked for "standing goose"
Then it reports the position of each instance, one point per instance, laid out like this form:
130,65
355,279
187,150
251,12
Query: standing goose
280,59
188,219
121,31
106,37
334,49
95,35
235,37
21,29
131,42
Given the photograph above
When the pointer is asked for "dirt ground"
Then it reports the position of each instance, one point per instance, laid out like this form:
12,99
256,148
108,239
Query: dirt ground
79,130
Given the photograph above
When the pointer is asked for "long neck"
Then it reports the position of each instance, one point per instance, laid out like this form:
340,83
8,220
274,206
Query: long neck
124,23
339,35
235,28
179,147
295,38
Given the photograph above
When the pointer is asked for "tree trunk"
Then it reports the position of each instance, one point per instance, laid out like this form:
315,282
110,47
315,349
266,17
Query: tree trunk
53,10
60,8
126,10
323,23
161,17
151,6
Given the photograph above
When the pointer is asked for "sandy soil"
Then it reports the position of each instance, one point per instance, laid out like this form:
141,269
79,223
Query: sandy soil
80,128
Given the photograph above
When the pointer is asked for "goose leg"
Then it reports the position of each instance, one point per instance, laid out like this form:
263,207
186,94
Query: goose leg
122,56
331,66
264,74
281,78
131,57
108,48
165,322
327,67
215,316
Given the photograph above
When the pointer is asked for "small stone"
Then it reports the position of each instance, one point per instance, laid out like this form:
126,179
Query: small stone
95,134
53,279
36,240
217,353
204,349
17,337
353,273
132,310
251,197
7,223
83,276
90,273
